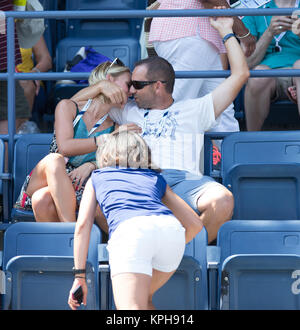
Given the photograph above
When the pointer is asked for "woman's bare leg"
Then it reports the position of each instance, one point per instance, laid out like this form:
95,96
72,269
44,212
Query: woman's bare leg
131,290
135,290
43,206
51,172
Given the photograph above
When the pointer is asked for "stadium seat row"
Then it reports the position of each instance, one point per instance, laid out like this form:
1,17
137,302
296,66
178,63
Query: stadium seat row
255,265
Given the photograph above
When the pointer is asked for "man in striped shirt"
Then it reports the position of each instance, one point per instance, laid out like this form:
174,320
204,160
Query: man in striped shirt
192,44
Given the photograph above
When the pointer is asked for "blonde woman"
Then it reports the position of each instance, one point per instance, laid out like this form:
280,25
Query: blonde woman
53,189
146,240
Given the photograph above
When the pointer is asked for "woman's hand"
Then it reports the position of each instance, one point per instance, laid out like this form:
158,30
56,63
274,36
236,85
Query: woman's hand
129,127
280,24
80,174
72,301
222,24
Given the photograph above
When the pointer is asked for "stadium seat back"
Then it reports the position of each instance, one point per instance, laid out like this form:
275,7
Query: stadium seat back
38,261
262,171
126,49
2,161
105,4
257,264
29,150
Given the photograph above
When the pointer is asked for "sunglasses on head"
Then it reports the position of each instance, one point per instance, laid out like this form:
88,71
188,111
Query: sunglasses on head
137,84
116,61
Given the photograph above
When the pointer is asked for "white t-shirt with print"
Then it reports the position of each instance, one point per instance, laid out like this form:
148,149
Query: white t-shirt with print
175,135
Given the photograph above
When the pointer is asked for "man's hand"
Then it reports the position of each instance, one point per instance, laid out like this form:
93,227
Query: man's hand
112,91
248,43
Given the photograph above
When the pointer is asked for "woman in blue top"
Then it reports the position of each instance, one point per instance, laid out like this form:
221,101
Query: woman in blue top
278,47
50,188
148,223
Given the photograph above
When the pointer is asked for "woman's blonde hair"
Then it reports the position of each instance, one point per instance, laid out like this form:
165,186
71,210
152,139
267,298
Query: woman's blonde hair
102,70
124,149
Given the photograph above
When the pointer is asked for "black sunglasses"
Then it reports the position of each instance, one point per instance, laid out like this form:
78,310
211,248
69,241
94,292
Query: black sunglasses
141,84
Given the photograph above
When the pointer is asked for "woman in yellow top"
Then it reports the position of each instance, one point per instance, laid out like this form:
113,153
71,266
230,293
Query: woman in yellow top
43,62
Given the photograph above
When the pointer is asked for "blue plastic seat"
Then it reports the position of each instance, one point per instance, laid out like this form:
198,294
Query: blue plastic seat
187,289
38,261
2,162
29,150
127,49
262,171
114,27
257,264
105,4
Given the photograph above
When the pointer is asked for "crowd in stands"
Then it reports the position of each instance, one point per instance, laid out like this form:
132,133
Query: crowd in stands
149,107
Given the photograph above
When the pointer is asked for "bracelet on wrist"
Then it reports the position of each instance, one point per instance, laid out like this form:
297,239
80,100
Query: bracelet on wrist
245,36
78,276
93,163
78,271
227,36
36,70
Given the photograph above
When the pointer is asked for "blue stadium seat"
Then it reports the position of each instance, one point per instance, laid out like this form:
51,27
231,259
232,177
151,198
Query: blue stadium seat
2,162
258,260
262,171
29,150
38,261
186,290
127,49
283,113
66,91
112,27
105,4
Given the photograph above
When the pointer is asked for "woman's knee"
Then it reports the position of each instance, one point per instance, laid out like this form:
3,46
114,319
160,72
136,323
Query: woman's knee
42,202
54,162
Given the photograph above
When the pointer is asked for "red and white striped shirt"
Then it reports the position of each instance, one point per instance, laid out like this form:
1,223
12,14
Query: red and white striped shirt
169,28
7,5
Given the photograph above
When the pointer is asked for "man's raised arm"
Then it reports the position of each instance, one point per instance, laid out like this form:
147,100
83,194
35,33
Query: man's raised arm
228,90
248,41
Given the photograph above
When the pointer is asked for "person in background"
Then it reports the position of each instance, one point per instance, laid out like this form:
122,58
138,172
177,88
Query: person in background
39,55
278,47
21,105
192,44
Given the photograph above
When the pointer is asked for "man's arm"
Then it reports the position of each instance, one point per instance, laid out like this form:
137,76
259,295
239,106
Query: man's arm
228,90
247,40
112,91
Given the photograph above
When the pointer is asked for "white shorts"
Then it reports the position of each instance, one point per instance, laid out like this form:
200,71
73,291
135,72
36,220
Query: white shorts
142,243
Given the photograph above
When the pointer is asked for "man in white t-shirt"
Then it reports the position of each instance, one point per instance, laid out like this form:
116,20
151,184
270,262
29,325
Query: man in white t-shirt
175,131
